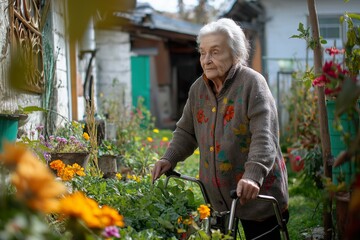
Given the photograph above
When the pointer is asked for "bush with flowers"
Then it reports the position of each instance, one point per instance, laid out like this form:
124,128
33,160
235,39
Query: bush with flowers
333,74
38,195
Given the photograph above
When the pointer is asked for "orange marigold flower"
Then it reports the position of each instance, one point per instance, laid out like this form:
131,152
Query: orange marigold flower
204,211
89,211
12,154
86,136
34,182
78,170
57,165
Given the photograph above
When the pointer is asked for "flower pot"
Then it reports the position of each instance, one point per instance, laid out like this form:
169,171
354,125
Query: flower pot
80,158
107,163
346,171
8,128
342,210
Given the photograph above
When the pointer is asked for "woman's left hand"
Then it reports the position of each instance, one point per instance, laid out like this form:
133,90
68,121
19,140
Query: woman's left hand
246,190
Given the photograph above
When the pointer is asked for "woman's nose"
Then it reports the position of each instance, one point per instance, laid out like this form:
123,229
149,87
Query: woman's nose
208,58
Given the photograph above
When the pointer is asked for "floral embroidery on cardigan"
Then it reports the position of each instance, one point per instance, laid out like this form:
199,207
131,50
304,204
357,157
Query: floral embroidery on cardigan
229,113
201,118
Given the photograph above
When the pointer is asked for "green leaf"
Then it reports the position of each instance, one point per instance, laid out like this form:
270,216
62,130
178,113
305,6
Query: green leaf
31,109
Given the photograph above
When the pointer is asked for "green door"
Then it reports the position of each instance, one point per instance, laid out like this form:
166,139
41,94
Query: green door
140,79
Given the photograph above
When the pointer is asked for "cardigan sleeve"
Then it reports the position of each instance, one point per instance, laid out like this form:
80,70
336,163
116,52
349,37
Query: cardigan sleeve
183,142
263,124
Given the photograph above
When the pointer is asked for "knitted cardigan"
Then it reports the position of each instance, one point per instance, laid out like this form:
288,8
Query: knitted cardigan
237,134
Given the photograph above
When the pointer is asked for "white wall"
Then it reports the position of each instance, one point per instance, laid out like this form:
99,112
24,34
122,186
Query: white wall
113,62
283,53
61,72
283,18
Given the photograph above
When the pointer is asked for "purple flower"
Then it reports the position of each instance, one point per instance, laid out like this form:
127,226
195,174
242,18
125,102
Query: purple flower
51,138
111,231
63,140
72,138
47,156
41,138
39,128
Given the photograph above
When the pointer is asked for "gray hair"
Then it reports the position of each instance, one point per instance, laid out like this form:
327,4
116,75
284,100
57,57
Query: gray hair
236,37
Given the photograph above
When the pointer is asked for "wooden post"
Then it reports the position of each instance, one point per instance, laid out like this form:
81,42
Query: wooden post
324,130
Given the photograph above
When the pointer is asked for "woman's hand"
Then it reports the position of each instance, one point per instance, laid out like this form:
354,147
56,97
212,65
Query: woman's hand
161,167
246,190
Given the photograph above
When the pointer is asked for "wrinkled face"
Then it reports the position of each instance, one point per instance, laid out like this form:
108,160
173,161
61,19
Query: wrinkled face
215,56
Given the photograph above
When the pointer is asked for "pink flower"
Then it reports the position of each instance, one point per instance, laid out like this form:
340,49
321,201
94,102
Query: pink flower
111,231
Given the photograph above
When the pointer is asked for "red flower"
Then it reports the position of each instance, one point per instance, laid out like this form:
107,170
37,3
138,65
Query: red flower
334,51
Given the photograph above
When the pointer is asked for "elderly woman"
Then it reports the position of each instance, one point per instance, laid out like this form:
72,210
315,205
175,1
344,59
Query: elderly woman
231,116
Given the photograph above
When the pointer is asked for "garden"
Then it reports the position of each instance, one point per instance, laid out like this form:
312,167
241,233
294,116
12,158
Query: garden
50,198
91,179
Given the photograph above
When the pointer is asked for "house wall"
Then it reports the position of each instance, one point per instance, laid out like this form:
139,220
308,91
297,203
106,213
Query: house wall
7,97
282,20
283,54
60,45
113,64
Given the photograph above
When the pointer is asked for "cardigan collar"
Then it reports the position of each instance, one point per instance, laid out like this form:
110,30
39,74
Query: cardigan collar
234,68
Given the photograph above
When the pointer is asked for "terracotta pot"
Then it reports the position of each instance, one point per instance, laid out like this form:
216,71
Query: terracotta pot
107,163
80,158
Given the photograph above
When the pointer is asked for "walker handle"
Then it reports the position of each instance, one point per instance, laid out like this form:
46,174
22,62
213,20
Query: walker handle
271,199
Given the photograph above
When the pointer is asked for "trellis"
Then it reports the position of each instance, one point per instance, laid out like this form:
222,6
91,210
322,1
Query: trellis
26,43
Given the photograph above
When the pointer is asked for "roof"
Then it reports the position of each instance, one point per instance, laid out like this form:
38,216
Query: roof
146,16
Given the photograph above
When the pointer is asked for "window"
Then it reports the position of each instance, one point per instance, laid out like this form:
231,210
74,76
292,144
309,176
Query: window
331,30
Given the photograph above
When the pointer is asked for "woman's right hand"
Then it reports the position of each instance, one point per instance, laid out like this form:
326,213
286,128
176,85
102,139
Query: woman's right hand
160,167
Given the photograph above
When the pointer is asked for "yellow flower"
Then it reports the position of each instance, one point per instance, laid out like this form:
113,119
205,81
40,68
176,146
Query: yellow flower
149,139
204,211
86,136
197,152
83,126
119,176
156,130
165,139
179,220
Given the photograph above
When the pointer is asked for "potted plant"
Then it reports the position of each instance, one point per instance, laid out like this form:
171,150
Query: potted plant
69,144
107,156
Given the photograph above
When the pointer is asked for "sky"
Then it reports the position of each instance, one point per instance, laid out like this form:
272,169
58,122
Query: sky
171,5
